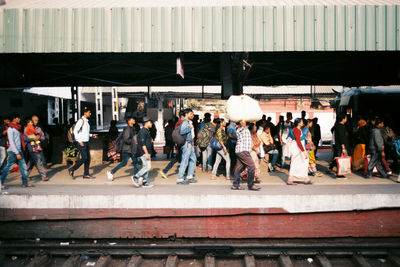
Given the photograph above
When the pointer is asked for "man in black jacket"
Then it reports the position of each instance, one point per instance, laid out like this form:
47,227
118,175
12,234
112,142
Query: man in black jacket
129,147
341,140
376,147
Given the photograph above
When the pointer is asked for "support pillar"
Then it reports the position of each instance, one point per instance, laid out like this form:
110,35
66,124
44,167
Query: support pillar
99,108
74,103
160,121
114,103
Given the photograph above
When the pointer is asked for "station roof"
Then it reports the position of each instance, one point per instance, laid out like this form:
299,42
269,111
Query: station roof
52,26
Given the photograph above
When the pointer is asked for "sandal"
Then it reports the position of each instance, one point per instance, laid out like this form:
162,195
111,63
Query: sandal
308,182
45,179
27,185
290,182
237,188
213,177
255,188
228,178
3,187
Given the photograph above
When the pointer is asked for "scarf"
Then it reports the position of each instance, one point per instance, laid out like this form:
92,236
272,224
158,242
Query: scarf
18,127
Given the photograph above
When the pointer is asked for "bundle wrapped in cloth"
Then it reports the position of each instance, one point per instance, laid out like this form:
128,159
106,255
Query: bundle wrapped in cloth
243,107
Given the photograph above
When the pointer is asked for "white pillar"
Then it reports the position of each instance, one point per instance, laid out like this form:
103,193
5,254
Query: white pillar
114,103
99,108
160,121
57,109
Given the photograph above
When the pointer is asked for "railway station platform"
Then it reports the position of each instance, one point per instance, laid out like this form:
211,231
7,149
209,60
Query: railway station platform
99,208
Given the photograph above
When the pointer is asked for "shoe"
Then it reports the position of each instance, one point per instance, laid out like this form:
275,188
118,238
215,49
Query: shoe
255,188
140,181
163,175
135,181
192,180
368,176
147,184
88,177
27,185
45,179
110,176
389,173
71,173
184,182
270,168
341,177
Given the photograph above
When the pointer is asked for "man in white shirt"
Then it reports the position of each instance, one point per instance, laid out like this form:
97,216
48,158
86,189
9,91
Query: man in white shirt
82,136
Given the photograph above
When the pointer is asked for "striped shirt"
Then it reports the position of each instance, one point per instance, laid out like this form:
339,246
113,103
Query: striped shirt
244,141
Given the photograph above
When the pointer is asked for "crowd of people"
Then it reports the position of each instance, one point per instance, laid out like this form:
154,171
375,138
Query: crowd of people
241,146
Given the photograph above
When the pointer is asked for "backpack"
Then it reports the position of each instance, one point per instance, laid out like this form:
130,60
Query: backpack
177,137
70,133
204,137
388,136
120,143
396,146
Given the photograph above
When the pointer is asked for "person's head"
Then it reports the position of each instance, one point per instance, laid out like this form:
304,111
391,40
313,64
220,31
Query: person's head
263,117
189,114
252,128
16,118
130,120
289,116
86,112
181,114
263,123
315,120
298,123
113,123
269,119
29,122
147,122
341,118
207,117
267,129
223,122
242,123
303,114
6,120
374,119
362,122
35,120
379,123
309,123
281,118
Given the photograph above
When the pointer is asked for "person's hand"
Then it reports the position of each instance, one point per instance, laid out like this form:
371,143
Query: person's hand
81,144
383,154
148,156
225,151
305,155
95,136
37,138
19,156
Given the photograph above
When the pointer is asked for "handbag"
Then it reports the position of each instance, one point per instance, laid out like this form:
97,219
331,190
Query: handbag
215,144
268,148
343,165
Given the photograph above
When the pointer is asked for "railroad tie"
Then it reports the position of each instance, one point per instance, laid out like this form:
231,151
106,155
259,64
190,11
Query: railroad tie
209,261
172,261
103,261
322,261
249,261
360,261
285,261
72,261
135,261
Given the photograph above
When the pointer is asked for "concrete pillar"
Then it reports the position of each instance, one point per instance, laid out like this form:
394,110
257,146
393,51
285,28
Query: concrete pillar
99,108
114,103
160,121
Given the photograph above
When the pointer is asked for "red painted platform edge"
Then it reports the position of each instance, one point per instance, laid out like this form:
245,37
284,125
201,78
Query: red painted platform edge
71,214
374,223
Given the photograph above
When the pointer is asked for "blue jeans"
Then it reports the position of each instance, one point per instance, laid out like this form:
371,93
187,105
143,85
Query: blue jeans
12,159
125,158
43,158
188,161
3,157
146,166
274,155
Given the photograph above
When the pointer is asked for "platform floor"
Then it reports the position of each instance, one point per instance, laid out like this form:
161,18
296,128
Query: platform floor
58,175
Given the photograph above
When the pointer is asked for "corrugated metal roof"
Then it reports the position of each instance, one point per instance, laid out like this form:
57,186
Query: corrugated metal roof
186,3
44,26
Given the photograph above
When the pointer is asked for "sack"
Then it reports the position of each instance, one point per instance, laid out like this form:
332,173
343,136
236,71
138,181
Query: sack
343,165
244,108
71,135
204,137
215,144
177,137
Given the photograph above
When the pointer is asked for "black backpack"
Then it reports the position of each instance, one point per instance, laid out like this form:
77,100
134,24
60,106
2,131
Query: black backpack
177,137
134,143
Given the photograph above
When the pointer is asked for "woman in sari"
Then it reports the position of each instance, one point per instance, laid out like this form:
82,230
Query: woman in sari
360,141
299,156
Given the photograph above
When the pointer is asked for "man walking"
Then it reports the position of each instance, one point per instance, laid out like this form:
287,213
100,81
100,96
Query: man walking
129,147
188,155
341,140
243,148
377,148
3,142
316,134
145,149
15,151
82,136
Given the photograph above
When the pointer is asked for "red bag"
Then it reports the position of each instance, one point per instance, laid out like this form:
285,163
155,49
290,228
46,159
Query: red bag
343,165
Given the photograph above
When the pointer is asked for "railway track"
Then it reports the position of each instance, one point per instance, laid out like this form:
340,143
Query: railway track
209,253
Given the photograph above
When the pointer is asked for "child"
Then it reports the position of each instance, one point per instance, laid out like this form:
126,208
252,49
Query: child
32,133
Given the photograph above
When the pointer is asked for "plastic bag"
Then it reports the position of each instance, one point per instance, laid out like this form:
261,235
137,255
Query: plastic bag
343,165
244,108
